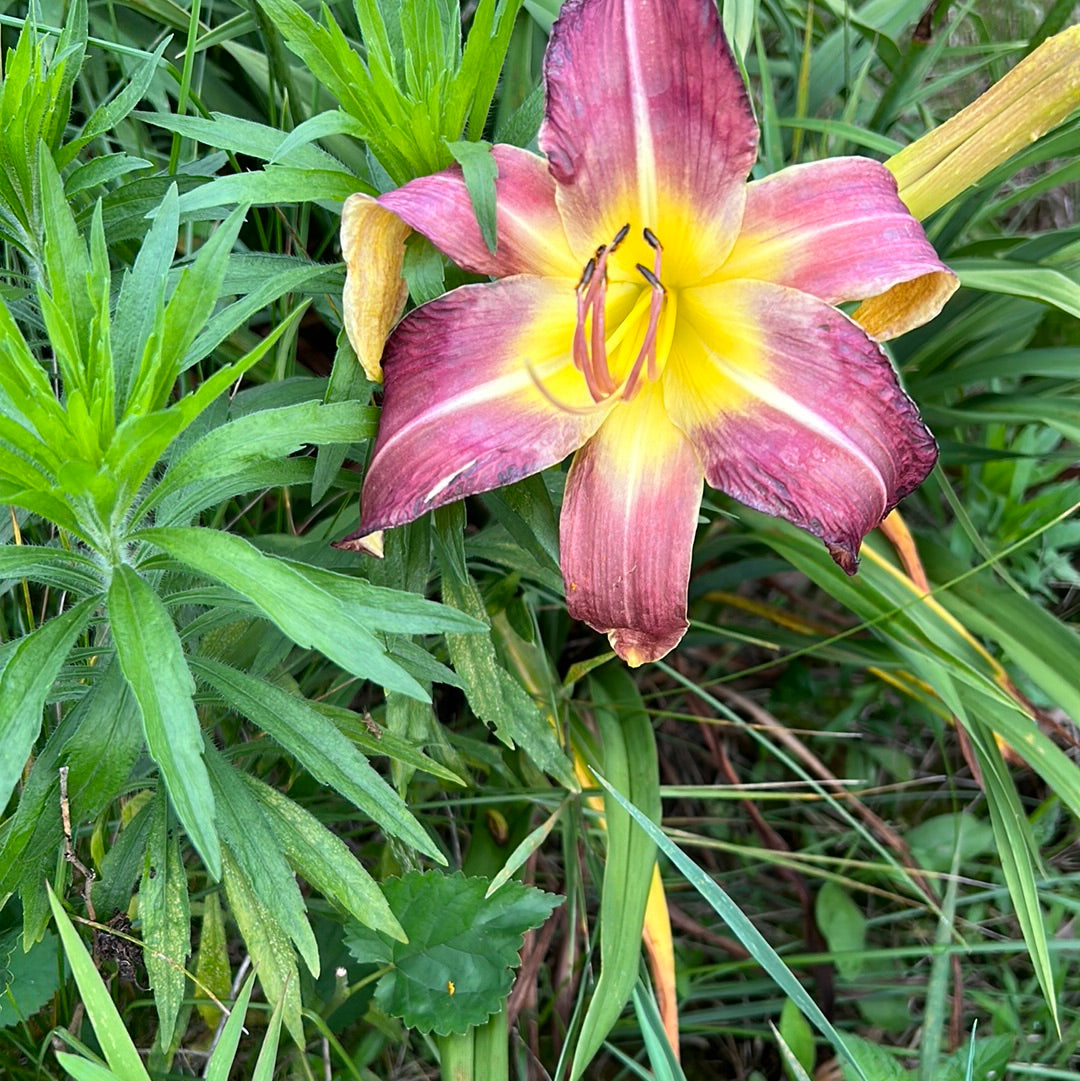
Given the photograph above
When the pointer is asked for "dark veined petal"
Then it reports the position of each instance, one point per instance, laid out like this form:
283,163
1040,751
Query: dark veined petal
529,232
648,123
794,411
461,412
628,520
837,229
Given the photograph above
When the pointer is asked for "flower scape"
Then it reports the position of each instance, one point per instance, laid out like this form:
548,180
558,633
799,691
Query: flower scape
654,314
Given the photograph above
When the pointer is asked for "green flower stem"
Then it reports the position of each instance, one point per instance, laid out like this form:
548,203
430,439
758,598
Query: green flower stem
481,1054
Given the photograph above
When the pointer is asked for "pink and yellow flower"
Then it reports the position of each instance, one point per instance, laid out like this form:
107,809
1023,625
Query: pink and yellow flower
656,316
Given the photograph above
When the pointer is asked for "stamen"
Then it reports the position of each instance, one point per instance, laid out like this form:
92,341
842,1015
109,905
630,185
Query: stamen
580,354
591,356
647,352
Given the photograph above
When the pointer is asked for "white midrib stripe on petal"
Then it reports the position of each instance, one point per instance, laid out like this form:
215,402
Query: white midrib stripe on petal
783,402
503,386
644,148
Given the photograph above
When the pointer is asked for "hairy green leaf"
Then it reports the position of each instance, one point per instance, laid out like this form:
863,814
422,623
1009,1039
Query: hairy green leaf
320,747
152,660
251,841
166,919
27,678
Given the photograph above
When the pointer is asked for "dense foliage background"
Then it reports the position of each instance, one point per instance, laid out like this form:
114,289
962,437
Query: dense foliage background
226,746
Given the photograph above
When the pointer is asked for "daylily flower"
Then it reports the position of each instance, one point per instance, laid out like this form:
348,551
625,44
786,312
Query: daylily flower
658,317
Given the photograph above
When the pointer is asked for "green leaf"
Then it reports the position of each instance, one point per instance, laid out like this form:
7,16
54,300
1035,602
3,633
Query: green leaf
265,435
1018,854
870,1060
271,186
221,1061
190,305
493,694
165,913
325,861
141,303
381,742
261,280
124,863
251,841
1016,278
109,114
273,956
744,930
212,971
98,739
31,670
479,170
371,97
311,616
112,1036
24,383
526,512
320,126
240,136
152,660
392,610
844,927
630,762
102,171
211,387
50,566
267,1060
937,841
1047,650
456,969
662,1057
29,978
328,755
988,1058
84,1069
798,1036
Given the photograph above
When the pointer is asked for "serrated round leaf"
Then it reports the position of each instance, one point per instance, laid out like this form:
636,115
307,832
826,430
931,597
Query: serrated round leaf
456,969
27,980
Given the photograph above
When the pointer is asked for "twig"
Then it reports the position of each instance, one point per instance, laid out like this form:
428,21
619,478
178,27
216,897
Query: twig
69,848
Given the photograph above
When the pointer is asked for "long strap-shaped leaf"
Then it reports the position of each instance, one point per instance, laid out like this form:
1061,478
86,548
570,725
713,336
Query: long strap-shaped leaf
112,1036
629,751
740,924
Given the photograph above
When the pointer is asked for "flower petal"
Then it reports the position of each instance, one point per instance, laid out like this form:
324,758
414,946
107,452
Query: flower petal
461,412
648,123
628,521
373,245
794,411
837,229
1035,96
528,229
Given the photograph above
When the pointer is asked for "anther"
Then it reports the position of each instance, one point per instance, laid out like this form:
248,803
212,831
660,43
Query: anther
620,236
587,273
650,277
650,239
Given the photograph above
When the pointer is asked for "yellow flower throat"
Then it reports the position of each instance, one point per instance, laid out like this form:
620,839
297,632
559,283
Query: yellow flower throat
617,361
